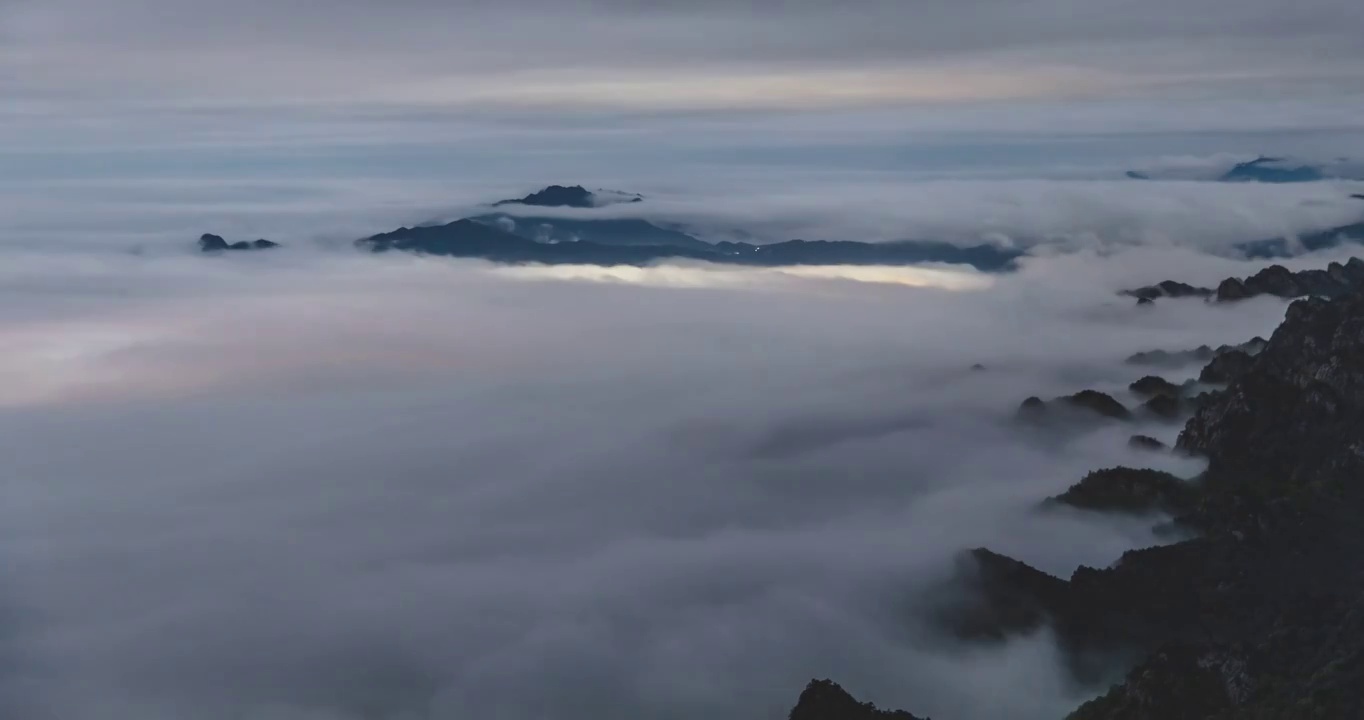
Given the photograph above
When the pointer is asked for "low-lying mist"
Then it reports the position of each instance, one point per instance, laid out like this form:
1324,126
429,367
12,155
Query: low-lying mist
323,486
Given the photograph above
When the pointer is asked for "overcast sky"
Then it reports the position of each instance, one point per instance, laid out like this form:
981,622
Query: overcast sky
544,78
653,55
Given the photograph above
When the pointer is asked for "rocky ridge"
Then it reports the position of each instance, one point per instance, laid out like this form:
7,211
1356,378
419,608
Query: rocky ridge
211,243
1261,613
1337,280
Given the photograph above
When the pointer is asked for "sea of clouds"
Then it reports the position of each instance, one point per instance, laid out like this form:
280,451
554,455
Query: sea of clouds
319,484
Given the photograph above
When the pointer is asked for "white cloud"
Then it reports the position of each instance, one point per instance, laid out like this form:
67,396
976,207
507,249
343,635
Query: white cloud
331,486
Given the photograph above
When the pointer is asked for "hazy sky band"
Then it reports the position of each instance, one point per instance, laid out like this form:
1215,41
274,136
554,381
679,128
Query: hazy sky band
648,55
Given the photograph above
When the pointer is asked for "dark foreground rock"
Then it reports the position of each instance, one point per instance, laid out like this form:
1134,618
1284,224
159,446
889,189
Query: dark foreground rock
637,242
574,196
1146,442
826,700
1168,288
210,243
1262,614
1085,402
1154,385
1200,354
1337,280
1226,367
1179,682
1129,490
1098,616
1165,407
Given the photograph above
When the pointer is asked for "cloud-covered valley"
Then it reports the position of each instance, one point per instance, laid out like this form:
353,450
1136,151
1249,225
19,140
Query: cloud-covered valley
323,485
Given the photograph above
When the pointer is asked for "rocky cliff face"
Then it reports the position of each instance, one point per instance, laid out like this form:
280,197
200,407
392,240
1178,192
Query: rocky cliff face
1262,614
825,700
1337,280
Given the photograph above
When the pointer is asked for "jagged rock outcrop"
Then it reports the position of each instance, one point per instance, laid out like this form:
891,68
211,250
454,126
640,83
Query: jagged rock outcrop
210,243
1172,358
575,196
1200,354
1179,682
826,700
1168,288
1337,280
1262,614
1165,407
1083,402
1129,490
1226,367
1097,402
638,242
1146,442
1154,385
1125,611
1007,597
1279,509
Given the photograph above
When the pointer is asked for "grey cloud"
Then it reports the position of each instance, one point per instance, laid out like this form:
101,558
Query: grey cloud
438,51
326,486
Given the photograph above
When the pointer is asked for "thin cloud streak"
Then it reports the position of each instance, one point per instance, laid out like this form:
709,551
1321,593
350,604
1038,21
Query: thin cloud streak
619,54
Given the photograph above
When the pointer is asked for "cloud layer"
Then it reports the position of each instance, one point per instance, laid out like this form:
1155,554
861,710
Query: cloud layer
324,486
633,54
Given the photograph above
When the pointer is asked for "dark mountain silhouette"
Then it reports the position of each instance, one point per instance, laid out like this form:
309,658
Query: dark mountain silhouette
1269,170
1263,169
844,252
606,231
474,239
556,196
1336,280
1260,614
210,243
1168,288
471,239
826,700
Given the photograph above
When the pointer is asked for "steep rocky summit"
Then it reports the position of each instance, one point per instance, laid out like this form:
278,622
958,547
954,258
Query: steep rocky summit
1129,490
1337,280
1200,354
826,700
575,196
1085,402
1261,613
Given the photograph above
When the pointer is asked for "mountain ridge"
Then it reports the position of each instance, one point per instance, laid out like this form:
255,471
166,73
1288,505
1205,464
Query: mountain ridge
1261,613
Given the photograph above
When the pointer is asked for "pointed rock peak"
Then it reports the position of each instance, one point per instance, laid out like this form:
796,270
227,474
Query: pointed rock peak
557,196
209,242
826,700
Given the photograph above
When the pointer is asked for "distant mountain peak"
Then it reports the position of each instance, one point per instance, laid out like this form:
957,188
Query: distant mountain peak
557,196
575,196
1272,170
210,243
